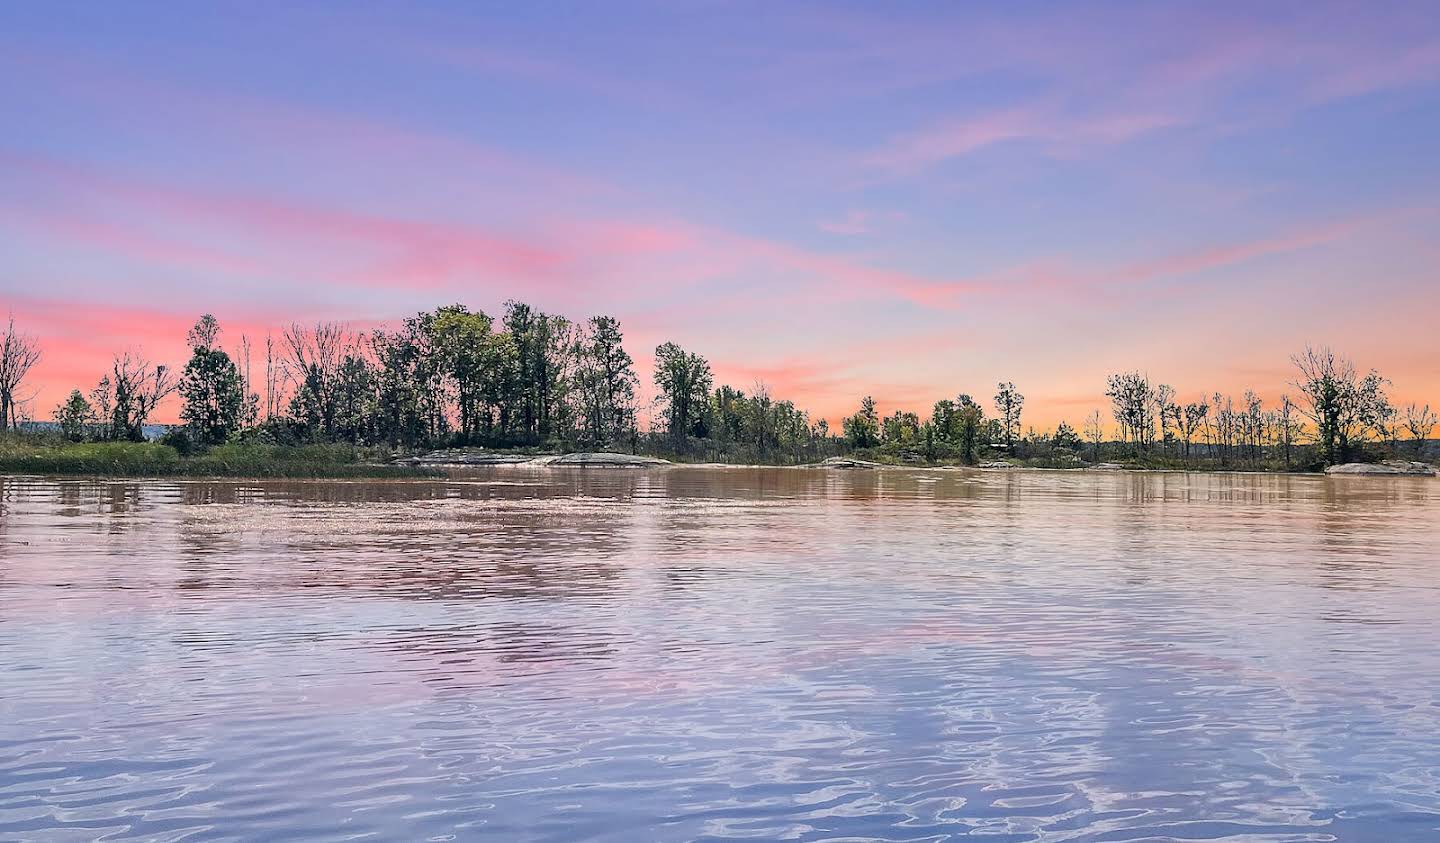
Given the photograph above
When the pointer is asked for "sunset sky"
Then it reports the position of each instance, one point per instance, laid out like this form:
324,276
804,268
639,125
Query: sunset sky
909,200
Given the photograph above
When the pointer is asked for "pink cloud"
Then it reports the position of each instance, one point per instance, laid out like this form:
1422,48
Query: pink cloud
388,251
856,221
1059,275
957,138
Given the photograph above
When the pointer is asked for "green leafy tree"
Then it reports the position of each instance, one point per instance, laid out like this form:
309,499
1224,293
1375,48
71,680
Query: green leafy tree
210,387
408,383
1066,437
75,416
942,418
969,424
862,430
901,428
471,356
543,370
606,382
684,380
356,400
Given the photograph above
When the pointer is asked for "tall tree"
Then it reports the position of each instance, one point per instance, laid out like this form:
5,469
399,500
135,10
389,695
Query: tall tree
606,380
942,418
1290,428
1163,399
543,346
969,422
684,380
1191,417
410,385
1008,404
315,355
18,355
210,386
1131,398
1095,433
1342,405
469,354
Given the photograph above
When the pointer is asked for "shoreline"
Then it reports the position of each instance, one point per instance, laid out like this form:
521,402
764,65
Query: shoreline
462,472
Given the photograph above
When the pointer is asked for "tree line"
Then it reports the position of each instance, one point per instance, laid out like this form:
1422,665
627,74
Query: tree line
460,377
1337,415
451,377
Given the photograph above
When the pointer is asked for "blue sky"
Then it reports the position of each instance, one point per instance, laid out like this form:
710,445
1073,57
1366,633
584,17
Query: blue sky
909,200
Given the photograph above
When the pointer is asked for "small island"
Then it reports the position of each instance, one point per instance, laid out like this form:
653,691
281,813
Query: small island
455,388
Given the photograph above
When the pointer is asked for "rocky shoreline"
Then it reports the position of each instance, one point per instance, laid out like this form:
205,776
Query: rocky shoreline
1388,468
462,458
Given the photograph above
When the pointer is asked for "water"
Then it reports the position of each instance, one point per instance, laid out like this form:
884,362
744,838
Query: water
712,654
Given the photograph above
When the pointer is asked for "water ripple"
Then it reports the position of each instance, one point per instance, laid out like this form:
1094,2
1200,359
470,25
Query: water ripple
721,655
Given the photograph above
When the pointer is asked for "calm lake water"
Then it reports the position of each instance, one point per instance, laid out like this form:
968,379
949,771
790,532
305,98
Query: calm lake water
528,654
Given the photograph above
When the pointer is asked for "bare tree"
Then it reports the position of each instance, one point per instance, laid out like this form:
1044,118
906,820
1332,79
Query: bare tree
1132,398
18,355
1343,406
1095,432
250,400
1419,421
1290,427
1008,405
1165,410
315,355
1225,425
1252,422
274,377
138,388
1189,420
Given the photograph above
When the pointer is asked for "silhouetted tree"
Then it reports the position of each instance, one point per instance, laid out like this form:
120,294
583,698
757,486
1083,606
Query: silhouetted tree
1008,404
138,387
1419,421
1342,405
18,355
1131,399
1095,433
1191,417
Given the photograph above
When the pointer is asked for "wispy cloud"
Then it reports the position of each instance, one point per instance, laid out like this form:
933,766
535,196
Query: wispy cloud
915,151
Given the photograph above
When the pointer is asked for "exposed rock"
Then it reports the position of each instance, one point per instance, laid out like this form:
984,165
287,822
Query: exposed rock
1107,466
847,462
460,457
601,460
1388,468
997,464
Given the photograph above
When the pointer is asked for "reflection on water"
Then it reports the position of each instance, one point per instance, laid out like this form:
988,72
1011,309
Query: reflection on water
718,654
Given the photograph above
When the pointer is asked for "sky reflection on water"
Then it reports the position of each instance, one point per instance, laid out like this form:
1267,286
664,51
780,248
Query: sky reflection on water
722,654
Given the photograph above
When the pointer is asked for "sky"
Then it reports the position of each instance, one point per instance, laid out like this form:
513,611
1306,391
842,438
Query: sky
908,200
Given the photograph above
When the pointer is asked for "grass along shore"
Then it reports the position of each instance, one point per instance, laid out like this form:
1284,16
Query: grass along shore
50,455
150,459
